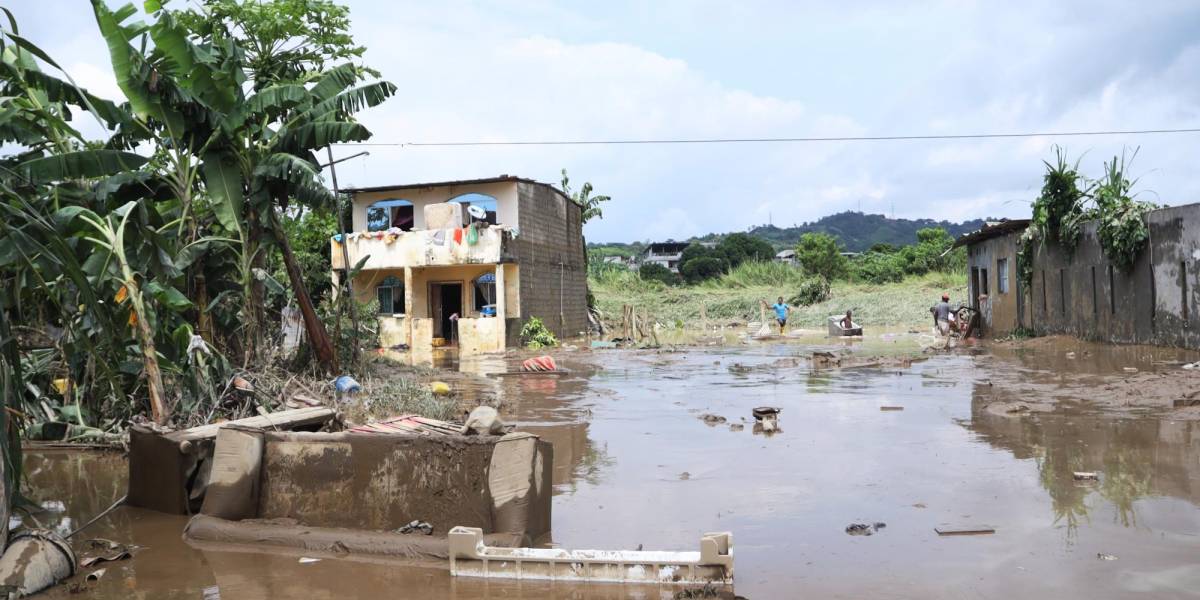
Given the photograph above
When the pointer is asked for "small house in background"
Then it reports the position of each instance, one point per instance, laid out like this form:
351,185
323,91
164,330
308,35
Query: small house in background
993,287
666,254
787,257
466,263
621,261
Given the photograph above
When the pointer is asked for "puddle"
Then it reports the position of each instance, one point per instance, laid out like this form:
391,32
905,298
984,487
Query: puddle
625,427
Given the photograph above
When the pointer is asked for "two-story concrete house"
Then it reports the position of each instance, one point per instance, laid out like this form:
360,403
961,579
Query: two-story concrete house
466,263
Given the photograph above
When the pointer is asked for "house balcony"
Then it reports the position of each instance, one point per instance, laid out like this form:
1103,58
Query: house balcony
423,248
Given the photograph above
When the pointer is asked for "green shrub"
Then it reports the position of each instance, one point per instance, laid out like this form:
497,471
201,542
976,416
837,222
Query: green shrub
813,290
535,335
1122,229
657,272
699,269
877,267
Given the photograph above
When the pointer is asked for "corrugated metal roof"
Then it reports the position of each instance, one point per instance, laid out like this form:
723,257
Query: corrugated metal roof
990,231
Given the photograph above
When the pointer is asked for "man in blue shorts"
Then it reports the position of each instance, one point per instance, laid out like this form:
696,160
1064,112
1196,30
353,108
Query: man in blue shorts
781,313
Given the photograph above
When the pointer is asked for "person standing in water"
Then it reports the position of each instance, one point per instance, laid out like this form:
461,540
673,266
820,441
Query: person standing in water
848,321
781,313
941,315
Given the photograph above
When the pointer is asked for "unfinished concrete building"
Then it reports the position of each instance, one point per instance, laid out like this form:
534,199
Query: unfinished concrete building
466,263
993,287
1082,293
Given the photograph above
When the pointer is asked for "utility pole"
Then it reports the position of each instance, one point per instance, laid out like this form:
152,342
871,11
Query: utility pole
349,288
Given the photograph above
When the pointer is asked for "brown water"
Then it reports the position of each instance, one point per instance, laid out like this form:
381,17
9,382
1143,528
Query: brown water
635,465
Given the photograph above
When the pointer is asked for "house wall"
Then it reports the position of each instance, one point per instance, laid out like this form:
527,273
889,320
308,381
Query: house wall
1153,302
403,329
505,193
553,268
999,311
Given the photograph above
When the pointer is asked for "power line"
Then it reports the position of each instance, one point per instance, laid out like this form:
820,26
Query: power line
784,140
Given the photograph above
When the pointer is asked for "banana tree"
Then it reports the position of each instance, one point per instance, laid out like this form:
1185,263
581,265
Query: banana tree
256,145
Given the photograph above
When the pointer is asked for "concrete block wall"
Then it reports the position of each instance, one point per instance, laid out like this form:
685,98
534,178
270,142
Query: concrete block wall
553,268
1153,302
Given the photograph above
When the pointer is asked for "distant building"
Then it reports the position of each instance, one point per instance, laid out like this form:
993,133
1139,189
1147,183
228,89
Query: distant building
623,261
666,254
466,263
787,257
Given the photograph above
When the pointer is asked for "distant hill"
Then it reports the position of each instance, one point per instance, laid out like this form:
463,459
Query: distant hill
857,232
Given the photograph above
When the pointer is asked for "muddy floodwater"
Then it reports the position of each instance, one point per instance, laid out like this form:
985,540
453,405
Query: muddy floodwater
635,464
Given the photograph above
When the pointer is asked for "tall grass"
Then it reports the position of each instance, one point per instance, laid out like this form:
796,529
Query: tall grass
759,274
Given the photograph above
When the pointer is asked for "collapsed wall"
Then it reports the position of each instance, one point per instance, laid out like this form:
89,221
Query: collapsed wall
351,491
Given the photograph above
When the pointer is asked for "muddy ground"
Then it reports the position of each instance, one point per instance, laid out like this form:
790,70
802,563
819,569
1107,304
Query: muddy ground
635,464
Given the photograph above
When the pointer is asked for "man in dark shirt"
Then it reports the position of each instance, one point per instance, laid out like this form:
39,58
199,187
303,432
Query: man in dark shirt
941,315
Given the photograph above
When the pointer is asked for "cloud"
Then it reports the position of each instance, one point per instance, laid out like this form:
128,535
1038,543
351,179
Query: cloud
536,70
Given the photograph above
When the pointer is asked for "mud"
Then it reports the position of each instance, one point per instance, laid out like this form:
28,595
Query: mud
624,427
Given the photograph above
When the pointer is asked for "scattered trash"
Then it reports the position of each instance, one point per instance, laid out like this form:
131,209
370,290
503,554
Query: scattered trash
35,560
98,559
919,505
684,476
1103,556
765,412
417,527
711,419
1130,369
95,575
964,529
1085,476
483,420
736,427
739,369
539,364
864,529
347,385
304,560
601,344
439,388
708,591
211,592
886,408
241,384
1071,355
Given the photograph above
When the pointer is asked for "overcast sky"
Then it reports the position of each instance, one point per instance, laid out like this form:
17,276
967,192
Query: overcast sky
619,69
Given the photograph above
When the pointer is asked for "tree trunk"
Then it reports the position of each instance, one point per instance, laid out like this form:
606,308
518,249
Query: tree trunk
158,406
254,289
313,326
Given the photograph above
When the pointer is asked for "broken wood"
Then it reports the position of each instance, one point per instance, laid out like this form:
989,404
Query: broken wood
886,408
964,529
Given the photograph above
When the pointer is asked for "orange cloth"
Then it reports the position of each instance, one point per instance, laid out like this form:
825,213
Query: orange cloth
458,235
539,364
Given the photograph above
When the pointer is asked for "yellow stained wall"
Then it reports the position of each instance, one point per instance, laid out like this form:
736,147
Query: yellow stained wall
415,328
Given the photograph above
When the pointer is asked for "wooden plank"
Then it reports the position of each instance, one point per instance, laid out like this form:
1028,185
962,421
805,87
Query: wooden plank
284,419
885,408
964,529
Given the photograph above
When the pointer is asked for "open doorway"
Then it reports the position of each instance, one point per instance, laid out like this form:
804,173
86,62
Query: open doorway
445,299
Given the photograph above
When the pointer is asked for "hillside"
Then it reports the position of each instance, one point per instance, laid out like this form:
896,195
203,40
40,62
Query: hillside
857,231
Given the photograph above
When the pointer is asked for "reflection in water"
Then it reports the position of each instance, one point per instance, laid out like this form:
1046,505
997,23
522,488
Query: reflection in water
1135,458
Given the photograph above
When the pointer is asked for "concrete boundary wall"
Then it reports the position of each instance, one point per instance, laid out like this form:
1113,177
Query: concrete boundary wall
1153,302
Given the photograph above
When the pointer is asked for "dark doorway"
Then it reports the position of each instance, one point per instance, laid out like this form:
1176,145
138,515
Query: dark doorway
974,289
445,300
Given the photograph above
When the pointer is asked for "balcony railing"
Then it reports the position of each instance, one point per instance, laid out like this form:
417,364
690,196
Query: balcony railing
423,248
